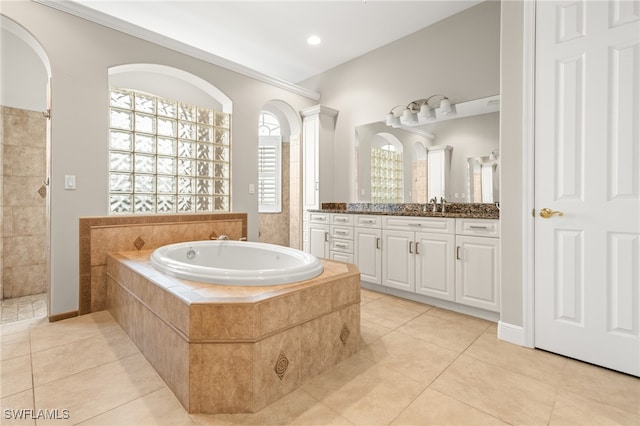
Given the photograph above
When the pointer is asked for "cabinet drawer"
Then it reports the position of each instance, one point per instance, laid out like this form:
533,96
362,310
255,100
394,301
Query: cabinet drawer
342,232
341,219
315,217
341,257
419,224
344,246
367,221
478,227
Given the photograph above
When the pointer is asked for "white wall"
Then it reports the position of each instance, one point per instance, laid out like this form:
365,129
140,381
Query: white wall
23,76
80,53
512,214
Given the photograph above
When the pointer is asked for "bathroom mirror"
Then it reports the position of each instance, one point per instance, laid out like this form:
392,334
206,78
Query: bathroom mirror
469,173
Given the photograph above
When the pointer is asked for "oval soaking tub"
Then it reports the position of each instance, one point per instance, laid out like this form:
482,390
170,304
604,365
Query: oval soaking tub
237,263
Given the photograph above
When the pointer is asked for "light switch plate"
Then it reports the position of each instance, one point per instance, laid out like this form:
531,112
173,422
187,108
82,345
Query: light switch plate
69,182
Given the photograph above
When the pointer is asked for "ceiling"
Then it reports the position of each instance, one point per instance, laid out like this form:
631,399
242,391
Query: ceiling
270,36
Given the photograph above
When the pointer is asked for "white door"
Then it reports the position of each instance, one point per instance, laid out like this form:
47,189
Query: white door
368,255
587,160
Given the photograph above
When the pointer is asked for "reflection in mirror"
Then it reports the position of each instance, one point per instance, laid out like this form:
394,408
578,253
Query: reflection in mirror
483,179
386,169
472,136
419,173
438,171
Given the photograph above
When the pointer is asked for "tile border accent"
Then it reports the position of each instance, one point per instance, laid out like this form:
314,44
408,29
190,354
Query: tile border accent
87,225
281,365
344,334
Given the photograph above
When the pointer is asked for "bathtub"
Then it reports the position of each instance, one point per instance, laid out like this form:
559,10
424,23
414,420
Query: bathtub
237,263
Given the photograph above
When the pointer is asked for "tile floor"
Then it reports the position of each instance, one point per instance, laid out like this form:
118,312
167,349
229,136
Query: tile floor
23,308
418,365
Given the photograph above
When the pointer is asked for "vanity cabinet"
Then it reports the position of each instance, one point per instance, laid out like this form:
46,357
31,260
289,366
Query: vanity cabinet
341,237
316,234
477,263
456,260
367,236
418,255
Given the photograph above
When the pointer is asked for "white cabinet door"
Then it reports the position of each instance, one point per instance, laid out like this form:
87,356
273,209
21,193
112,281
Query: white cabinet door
435,268
368,254
319,240
477,272
398,265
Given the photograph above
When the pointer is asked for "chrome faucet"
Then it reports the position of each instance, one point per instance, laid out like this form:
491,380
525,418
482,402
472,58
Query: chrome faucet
434,201
443,203
220,237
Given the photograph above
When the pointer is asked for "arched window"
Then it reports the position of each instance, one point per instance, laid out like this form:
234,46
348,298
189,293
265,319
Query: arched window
269,164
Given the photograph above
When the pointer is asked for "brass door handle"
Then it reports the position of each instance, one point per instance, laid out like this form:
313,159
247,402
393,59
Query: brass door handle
547,213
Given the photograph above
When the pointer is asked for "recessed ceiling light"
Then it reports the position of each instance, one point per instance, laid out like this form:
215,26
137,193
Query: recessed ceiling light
314,40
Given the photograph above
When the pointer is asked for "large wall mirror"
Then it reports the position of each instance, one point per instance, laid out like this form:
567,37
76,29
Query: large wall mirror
456,158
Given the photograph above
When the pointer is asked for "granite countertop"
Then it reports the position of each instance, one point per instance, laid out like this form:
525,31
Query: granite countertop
453,210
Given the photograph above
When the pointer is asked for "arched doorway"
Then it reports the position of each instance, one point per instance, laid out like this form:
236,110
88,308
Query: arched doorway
283,226
24,158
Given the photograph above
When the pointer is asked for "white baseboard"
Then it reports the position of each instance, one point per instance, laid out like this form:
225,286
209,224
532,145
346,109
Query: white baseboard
511,333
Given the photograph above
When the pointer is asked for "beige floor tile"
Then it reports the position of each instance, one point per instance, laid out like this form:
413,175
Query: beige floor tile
387,313
17,327
605,386
96,391
442,332
571,409
370,331
15,409
492,330
509,396
370,294
407,304
364,393
62,361
415,359
434,408
157,408
296,408
462,319
63,332
15,375
14,345
541,365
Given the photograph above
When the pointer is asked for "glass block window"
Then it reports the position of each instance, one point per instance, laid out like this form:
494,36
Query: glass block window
269,164
386,175
166,156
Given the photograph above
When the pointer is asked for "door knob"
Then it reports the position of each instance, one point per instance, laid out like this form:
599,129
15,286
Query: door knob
547,213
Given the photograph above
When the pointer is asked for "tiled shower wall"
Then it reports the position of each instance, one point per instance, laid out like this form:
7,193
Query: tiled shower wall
23,264
274,227
419,182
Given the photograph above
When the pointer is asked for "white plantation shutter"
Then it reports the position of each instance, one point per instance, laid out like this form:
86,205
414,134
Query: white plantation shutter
269,174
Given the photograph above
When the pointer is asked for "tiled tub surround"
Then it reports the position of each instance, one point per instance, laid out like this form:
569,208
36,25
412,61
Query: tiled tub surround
461,210
102,235
235,349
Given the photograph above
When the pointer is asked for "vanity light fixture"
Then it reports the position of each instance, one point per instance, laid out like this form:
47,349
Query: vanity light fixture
420,112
